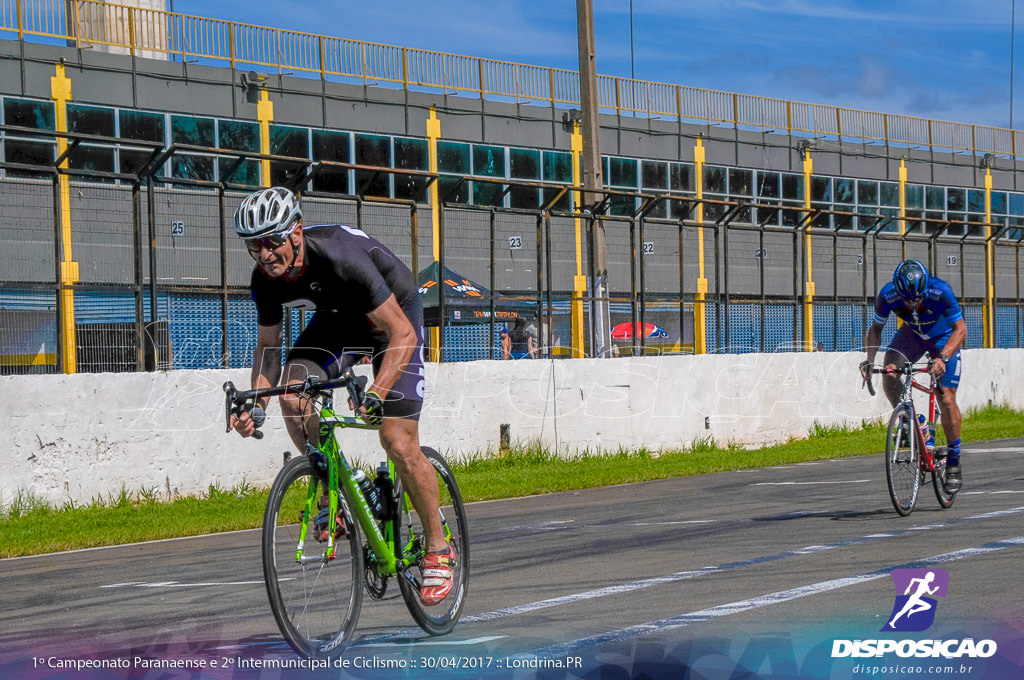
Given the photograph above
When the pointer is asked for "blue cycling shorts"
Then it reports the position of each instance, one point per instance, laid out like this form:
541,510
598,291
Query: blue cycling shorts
909,346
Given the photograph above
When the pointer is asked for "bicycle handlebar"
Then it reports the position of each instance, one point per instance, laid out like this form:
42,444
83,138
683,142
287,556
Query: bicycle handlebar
907,369
237,401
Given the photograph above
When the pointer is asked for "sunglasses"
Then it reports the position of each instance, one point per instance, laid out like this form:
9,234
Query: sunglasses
271,242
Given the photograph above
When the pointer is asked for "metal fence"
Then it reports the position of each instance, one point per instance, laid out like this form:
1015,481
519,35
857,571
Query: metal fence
143,272
159,34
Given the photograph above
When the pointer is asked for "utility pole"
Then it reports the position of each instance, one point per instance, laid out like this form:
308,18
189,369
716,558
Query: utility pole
592,180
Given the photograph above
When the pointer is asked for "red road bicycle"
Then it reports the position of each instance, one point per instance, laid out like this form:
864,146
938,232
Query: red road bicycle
908,458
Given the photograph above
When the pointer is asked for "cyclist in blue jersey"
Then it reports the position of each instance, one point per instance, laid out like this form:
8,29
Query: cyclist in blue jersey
933,323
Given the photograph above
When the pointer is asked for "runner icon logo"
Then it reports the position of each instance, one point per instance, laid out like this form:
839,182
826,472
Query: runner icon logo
915,605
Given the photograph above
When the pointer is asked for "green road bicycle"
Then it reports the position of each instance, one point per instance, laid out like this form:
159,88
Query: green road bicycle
325,539
908,457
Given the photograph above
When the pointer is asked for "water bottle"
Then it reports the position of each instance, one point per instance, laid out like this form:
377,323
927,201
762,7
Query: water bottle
369,492
927,432
385,490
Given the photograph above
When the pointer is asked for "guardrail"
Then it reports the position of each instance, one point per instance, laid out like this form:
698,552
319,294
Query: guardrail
146,32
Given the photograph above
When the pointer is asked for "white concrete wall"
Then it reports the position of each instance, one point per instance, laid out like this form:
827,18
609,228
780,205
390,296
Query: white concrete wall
82,436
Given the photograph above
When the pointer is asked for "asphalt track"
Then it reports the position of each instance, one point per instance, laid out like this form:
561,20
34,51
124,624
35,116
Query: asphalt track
750,574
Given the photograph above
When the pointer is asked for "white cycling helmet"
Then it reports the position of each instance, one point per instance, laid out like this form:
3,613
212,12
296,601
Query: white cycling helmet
265,212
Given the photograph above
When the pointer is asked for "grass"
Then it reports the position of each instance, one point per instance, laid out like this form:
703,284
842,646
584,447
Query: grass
31,526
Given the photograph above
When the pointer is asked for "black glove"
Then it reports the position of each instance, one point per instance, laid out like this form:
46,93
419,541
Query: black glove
374,406
865,369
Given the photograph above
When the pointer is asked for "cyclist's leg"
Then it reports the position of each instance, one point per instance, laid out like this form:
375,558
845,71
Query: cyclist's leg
951,417
906,347
400,438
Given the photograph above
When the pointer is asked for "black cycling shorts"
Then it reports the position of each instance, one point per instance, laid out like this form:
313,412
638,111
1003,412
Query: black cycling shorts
323,351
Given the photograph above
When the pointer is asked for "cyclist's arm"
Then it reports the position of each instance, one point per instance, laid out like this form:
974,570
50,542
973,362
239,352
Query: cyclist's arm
402,342
873,340
956,338
266,365
266,371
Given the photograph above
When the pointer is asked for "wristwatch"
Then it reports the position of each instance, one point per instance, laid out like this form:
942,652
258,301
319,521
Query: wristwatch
944,358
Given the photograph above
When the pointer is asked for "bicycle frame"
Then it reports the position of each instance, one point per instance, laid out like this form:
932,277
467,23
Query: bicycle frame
338,471
910,383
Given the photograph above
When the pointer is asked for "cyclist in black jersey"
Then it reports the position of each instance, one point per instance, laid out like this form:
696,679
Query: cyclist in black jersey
367,305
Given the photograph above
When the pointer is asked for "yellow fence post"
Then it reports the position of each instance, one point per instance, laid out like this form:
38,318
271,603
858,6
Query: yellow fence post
265,115
579,289
808,243
700,339
989,325
60,92
434,134
903,207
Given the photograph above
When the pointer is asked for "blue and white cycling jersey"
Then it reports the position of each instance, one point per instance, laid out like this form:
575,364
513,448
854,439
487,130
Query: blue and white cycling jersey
931,321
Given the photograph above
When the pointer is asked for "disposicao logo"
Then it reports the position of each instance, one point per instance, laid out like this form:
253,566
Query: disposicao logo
914,610
915,606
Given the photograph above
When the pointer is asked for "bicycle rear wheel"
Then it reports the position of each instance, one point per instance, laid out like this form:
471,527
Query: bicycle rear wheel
315,600
939,482
410,545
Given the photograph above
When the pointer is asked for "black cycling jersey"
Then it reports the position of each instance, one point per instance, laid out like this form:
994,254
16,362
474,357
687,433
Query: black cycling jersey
345,271
346,274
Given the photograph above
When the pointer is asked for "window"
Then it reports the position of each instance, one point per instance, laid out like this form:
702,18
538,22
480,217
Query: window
192,166
955,200
331,147
374,150
714,179
287,141
768,185
411,154
192,131
976,201
998,203
889,194
91,120
622,173
821,189
557,167
488,161
867,192
453,157
239,136
915,196
524,164
142,125
654,177
741,182
680,180
30,114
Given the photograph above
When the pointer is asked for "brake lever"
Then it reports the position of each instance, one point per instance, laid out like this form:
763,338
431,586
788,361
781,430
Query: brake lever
232,408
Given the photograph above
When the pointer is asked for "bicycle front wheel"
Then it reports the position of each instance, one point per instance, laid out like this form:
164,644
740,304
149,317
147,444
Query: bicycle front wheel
410,548
902,460
315,598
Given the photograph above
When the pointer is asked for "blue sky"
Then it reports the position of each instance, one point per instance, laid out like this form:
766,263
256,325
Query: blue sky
942,59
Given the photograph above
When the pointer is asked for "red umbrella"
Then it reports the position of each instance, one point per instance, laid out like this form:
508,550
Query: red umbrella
624,331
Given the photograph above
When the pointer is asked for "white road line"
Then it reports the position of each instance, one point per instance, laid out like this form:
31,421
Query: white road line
843,481
663,625
176,584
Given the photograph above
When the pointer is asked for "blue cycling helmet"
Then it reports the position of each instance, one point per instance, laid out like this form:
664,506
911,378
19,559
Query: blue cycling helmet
910,280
